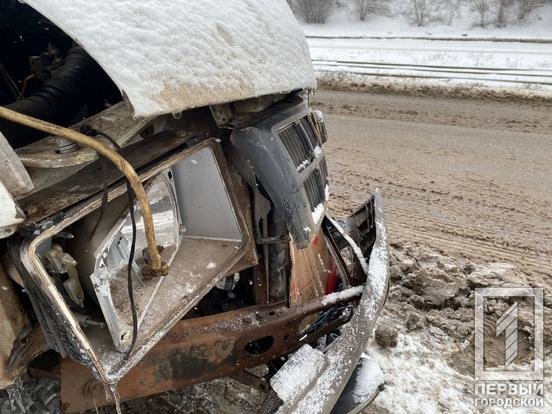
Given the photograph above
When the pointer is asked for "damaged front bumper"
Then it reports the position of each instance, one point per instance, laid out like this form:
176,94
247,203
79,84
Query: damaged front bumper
201,349
333,380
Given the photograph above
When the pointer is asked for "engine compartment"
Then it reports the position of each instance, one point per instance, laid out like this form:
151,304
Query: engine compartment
45,74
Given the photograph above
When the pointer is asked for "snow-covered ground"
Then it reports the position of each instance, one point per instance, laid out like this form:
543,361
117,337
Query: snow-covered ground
419,379
533,57
487,62
430,369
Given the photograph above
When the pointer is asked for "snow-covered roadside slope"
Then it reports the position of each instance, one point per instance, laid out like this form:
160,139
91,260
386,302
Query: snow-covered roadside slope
430,309
511,66
419,379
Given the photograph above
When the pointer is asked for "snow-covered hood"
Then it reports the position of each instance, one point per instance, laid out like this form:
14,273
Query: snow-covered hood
168,56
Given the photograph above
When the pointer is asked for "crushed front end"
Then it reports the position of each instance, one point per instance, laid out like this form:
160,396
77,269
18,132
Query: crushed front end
257,268
259,282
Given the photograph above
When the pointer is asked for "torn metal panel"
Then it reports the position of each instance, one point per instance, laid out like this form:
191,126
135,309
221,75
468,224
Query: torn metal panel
166,57
342,355
309,270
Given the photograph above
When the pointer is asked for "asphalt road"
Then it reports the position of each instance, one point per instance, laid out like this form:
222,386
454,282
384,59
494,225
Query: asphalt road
471,178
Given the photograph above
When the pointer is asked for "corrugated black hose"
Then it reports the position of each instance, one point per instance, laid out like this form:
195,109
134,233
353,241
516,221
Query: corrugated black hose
59,100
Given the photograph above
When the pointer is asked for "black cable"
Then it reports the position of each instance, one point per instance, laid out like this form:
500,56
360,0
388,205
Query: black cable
103,207
88,130
129,271
322,319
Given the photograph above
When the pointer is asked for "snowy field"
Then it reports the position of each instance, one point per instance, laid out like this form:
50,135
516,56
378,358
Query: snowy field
526,57
390,49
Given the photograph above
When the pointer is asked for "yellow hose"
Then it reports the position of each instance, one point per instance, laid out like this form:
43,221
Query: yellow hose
158,268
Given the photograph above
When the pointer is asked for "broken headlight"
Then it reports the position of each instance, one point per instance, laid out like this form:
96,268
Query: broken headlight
103,270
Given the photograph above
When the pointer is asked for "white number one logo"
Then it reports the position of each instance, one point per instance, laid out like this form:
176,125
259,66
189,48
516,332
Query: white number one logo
507,323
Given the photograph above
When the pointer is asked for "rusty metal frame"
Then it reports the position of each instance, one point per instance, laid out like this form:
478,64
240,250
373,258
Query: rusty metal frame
202,349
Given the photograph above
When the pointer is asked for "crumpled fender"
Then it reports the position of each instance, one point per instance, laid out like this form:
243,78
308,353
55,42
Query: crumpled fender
319,393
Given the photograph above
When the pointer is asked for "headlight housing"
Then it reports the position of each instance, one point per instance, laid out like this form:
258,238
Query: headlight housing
107,280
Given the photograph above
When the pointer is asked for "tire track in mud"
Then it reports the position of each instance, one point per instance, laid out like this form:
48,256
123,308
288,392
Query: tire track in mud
477,192
468,248
464,240
454,226
415,222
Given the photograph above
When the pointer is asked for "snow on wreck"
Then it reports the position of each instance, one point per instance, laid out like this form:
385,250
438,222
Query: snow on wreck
166,57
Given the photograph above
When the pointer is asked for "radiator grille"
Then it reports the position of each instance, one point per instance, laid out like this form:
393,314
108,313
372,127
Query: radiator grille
300,141
315,187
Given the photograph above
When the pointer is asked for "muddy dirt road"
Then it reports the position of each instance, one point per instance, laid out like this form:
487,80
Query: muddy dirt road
470,178
467,190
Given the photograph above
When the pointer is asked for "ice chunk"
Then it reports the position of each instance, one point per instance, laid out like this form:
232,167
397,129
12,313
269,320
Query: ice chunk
300,370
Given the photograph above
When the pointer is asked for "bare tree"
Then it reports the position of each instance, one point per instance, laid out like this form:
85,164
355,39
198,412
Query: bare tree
313,11
366,7
526,7
452,9
419,8
482,7
502,7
